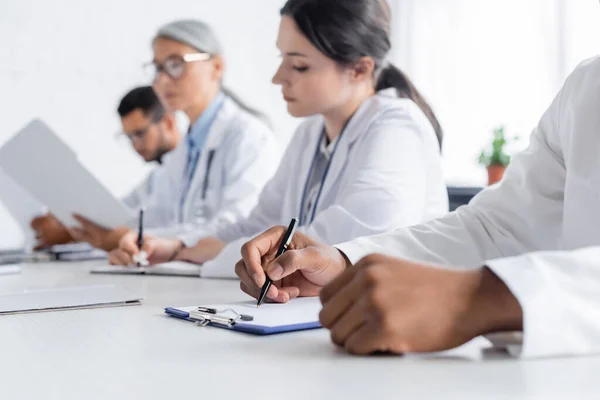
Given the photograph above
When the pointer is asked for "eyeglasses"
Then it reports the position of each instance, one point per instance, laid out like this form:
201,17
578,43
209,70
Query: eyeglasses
138,135
174,66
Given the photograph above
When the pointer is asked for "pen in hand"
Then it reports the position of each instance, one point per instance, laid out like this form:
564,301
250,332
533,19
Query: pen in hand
140,238
285,242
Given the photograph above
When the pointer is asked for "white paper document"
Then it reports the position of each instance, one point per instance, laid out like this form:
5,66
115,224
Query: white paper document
295,312
66,298
42,164
173,268
9,269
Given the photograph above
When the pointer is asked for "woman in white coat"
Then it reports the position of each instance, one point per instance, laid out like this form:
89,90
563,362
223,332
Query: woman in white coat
537,233
227,156
366,161
215,175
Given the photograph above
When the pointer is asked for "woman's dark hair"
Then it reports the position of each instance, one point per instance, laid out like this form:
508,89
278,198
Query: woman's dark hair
346,30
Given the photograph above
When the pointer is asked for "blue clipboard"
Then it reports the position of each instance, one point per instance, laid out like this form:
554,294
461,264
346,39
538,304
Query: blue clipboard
247,328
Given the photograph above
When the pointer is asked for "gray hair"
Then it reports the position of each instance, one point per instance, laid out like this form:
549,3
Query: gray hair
193,33
201,37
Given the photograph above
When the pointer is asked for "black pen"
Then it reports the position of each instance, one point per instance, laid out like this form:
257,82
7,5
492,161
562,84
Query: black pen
140,238
285,242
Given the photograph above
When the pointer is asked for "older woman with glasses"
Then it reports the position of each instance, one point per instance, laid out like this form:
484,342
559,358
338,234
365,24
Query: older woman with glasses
216,173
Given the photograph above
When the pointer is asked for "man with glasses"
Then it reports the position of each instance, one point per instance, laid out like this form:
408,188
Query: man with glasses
153,133
151,130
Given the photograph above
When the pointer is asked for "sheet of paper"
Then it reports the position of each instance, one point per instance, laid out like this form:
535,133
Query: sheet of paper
9,269
297,311
173,268
44,166
65,298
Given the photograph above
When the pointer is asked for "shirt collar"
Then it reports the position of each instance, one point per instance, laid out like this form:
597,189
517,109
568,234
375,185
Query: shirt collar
198,131
327,149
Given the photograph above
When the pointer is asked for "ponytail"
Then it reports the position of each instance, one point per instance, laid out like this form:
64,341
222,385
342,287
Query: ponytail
392,77
245,107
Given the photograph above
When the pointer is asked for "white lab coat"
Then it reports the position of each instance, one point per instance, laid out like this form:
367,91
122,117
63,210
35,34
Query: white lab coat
538,230
242,155
386,173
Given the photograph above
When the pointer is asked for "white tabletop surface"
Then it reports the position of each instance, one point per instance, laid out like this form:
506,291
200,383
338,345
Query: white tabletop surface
139,353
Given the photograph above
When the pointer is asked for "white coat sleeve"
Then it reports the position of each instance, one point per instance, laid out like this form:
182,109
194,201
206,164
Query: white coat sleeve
251,161
559,293
512,229
521,214
267,213
387,182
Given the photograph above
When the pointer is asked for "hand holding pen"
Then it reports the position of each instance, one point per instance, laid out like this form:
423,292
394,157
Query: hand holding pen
300,271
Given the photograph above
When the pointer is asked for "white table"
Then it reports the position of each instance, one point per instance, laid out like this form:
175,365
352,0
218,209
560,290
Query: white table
138,353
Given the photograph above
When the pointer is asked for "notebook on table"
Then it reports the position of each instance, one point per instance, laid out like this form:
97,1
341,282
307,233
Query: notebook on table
173,268
68,298
75,252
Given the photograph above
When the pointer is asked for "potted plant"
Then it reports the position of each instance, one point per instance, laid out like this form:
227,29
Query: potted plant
496,160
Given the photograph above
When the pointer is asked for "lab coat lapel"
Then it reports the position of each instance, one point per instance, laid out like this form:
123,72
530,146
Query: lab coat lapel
355,128
213,142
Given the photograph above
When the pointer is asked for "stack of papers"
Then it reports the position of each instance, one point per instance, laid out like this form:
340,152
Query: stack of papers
12,256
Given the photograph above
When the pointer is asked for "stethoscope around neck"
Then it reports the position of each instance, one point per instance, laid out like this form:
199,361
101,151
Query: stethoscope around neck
302,217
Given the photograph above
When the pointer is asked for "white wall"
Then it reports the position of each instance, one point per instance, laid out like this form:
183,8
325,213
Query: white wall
69,62
480,63
582,31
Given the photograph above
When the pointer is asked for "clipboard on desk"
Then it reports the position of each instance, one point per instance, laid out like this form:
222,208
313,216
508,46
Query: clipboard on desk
296,315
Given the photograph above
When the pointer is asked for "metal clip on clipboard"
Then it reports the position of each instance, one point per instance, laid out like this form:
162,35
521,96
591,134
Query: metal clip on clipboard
204,316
